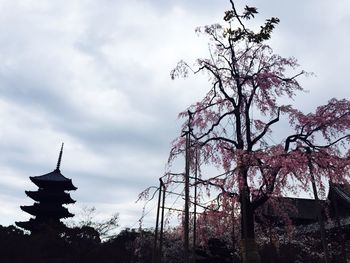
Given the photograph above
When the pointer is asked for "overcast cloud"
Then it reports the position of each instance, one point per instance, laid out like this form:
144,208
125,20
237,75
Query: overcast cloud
95,75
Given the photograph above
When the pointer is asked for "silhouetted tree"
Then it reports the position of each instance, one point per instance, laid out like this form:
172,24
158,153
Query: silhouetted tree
88,217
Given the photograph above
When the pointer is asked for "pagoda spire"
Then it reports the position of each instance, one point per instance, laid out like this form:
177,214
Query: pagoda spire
59,158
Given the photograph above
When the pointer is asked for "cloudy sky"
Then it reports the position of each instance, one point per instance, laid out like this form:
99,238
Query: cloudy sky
95,75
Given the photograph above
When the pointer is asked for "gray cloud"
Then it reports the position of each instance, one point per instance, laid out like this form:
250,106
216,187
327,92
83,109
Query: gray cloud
96,76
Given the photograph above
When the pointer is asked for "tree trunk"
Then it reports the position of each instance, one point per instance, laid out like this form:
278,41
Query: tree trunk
247,220
249,250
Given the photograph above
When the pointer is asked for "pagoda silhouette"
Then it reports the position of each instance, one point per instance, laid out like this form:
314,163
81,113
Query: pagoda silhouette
48,208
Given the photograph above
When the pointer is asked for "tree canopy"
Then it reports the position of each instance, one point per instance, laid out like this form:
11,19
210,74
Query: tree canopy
251,90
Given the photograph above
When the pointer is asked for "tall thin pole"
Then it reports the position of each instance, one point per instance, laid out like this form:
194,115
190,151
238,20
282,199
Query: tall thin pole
233,226
195,209
155,250
244,225
161,223
187,199
319,209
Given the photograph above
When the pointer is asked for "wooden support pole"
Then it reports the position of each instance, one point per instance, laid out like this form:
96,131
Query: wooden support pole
161,222
195,210
155,245
187,199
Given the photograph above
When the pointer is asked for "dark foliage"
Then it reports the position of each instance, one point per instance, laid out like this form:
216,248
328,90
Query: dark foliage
73,245
131,246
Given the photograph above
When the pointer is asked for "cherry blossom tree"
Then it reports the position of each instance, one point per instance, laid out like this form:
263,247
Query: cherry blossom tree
250,91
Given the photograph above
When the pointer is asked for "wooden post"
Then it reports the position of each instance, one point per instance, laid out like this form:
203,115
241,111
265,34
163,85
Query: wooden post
155,246
195,210
161,222
187,199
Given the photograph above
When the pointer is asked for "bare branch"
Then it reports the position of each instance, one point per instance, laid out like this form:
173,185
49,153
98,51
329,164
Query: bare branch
267,127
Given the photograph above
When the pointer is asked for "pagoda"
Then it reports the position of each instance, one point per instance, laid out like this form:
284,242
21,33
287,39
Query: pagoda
48,208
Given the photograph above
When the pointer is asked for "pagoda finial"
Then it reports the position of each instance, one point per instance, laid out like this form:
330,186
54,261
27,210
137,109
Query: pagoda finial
60,158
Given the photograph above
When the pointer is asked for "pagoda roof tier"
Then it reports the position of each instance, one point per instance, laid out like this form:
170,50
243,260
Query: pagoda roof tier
36,225
53,180
28,225
49,211
50,196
